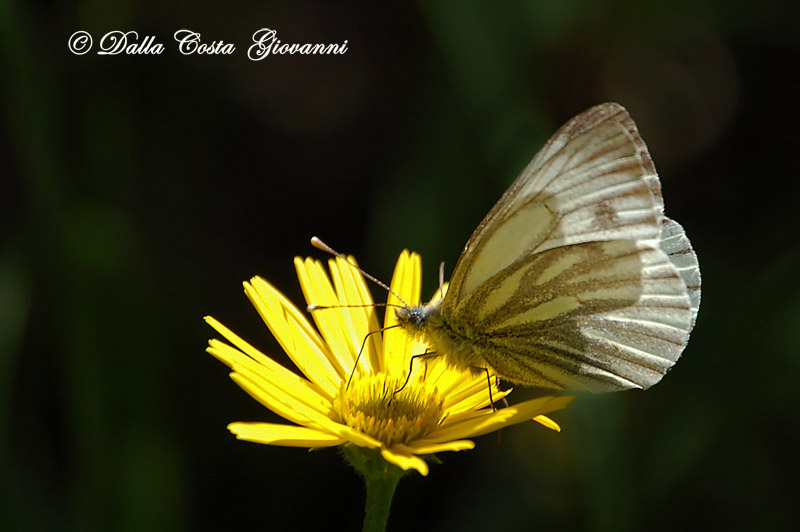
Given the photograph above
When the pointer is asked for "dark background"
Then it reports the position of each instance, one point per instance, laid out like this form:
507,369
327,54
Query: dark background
139,191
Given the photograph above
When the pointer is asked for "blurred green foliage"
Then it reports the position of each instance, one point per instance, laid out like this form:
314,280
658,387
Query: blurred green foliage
140,190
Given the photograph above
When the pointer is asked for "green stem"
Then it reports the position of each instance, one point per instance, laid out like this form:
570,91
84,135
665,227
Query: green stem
381,479
380,491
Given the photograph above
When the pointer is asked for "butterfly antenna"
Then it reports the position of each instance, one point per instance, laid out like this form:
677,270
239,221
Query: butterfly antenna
319,244
360,305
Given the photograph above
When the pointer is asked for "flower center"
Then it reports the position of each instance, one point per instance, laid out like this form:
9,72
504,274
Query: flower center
372,405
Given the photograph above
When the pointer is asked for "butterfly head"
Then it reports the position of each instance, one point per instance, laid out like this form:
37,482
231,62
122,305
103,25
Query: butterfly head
418,320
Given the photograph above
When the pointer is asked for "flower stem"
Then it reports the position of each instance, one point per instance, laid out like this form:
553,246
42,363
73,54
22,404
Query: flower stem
381,479
380,491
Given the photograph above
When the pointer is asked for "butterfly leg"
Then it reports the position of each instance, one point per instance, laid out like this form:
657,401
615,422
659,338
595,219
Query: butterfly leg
489,383
426,354
360,351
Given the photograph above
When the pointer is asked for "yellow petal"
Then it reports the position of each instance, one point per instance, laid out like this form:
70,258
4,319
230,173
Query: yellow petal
472,394
503,417
457,445
300,414
355,320
398,347
375,339
405,461
318,290
465,415
296,336
547,422
263,286
280,402
242,345
293,385
286,435
323,388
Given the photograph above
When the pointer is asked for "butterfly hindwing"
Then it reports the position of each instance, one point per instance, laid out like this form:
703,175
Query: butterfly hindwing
597,316
677,246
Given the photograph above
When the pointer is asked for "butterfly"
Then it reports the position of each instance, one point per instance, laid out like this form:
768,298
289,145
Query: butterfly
575,280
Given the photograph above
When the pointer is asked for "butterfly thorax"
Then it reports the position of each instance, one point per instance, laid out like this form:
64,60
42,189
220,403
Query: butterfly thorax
427,323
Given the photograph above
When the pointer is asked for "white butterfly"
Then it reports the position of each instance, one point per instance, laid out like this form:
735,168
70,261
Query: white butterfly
575,279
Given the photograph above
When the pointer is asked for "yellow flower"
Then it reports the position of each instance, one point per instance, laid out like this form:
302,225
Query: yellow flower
332,404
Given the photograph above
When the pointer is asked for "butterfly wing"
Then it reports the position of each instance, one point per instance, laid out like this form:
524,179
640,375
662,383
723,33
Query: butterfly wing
566,283
676,245
593,180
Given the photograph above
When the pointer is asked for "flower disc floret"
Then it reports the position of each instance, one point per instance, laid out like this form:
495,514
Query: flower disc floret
381,407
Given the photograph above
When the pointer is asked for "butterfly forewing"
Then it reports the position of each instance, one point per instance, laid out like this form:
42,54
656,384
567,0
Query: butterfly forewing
592,189
575,280
606,113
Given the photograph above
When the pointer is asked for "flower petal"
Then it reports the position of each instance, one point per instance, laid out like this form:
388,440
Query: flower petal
279,401
375,339
297,338
404,461
293,385
547,422
318,290
262,360
398,346
472,394
300,414
359,319
286,435
457,445
503,417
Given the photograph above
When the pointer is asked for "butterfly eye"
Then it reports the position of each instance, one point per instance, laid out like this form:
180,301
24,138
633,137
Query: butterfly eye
410,315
